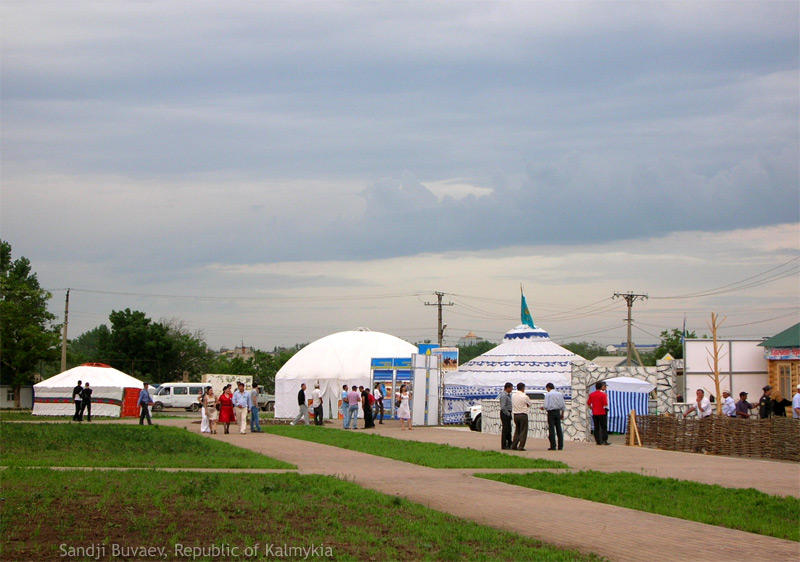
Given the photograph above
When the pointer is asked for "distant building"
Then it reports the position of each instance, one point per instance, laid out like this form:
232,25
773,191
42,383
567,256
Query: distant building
7,397
241,352
783,360
469,339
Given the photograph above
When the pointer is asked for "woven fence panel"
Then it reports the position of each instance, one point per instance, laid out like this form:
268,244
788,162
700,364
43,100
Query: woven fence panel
773,438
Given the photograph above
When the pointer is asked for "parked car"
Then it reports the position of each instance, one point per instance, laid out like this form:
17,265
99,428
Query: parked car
266,402
178,395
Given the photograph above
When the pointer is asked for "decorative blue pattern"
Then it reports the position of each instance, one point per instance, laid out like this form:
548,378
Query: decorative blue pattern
526,335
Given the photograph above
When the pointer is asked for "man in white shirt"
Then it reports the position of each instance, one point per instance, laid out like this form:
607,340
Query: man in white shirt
520,404
378,402
702,405
796,403
728,405
316,403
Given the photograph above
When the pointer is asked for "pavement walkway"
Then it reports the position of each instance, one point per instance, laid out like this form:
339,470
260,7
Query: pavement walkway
615,532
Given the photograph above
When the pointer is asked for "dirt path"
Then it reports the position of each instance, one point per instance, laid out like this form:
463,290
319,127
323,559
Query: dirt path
615,532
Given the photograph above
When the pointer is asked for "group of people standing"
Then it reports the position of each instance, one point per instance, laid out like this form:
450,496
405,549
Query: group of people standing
514,405
771,404
370,402
82,397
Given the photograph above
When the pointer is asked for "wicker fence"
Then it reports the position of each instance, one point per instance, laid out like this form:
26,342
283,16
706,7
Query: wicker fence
773,438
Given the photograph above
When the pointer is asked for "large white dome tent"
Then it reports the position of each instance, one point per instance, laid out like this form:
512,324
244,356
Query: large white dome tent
53,396
332,361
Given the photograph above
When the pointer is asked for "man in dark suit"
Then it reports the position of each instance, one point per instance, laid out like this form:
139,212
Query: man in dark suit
77,398
86,398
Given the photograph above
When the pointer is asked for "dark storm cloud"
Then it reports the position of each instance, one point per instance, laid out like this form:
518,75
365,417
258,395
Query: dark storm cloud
588,121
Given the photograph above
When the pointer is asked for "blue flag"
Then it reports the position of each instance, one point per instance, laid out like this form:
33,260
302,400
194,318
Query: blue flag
525,314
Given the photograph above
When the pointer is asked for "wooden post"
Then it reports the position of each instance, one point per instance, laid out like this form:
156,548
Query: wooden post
634,439
714,326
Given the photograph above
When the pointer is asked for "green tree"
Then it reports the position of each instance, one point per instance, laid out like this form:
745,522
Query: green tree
468,352
672,343
587,350
28,336
86,348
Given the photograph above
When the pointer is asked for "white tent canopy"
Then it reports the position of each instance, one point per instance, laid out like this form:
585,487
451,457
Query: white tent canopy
53,396
526,355
332,361
629,384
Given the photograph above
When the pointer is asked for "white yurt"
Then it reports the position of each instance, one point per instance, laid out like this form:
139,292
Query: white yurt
53,396
332,361
526,355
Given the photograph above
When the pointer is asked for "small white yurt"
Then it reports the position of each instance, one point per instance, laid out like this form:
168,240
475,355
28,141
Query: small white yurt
527,355
332,361
626,394
53,396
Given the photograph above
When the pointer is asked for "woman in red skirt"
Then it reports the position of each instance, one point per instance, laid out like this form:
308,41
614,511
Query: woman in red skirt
226,415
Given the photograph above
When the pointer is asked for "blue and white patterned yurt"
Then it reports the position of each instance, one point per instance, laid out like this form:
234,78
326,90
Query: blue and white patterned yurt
526,355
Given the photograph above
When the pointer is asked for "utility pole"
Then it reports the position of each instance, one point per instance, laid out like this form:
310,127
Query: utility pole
630,298
439,304
64,335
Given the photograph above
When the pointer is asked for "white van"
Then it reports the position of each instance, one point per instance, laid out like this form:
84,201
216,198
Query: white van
178,395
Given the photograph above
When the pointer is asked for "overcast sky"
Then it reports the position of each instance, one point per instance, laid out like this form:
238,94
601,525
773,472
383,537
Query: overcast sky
278,171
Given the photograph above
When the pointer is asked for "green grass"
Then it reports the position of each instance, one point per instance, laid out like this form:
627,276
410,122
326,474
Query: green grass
735,508
60,444
43,509
433,455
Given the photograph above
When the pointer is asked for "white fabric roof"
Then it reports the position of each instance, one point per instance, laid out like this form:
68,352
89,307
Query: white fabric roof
526,355
95,376
334,360
628,384
342,355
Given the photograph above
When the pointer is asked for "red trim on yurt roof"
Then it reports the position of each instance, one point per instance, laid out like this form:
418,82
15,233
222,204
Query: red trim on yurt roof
96,365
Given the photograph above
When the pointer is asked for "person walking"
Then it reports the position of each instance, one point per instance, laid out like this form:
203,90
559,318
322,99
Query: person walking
145,401
241,403
316,404
404,409
765,404
796,404
743,407
555,406
702,405
520,405
345,408
505,416
598,402
779,403
353,399
86,402
728,404
378,395
226,415
255,411
76,398
204,425
208,405
302,406
367,402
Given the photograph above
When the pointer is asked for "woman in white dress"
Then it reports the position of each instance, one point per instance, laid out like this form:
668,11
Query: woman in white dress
404,409
209,407
204,427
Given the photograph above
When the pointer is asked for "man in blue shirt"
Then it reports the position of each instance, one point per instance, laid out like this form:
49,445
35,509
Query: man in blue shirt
505,416
555,406
241,402
144,403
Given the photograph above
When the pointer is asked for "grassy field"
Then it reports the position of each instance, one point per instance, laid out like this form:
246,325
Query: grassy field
735,508
60,444
44,509
433,455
